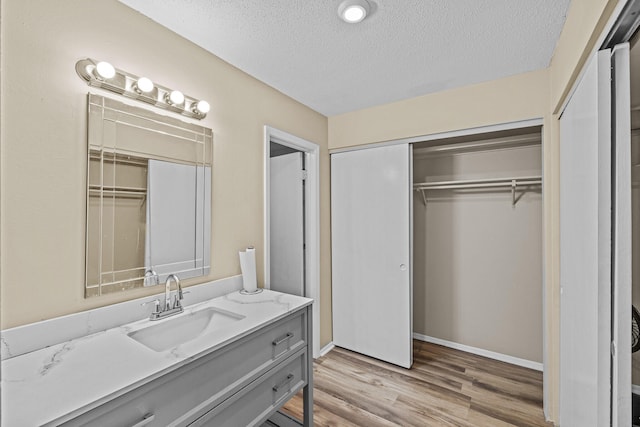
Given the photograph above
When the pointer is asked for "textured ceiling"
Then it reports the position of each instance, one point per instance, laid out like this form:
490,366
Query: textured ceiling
405,48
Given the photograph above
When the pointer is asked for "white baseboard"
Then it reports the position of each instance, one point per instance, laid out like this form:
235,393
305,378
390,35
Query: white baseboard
481,352
326,349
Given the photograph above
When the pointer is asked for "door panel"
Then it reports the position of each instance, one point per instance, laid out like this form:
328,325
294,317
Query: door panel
371,252
286,233
621,359
585,250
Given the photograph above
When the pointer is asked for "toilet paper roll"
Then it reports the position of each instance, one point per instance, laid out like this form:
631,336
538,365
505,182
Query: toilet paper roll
248,267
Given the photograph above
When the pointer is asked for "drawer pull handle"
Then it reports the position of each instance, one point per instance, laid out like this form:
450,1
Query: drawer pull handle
279,341
287,380
145,420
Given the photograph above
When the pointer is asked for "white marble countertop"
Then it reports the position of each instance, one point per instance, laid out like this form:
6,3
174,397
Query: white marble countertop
44,385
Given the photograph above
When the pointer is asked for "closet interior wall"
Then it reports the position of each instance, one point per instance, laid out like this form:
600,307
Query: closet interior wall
478,257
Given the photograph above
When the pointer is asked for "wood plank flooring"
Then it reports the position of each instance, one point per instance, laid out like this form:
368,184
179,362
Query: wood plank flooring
445,387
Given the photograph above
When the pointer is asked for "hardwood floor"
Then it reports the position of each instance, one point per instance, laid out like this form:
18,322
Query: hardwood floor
444,387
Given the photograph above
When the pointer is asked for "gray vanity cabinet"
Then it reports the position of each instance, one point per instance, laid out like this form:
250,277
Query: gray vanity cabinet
242,383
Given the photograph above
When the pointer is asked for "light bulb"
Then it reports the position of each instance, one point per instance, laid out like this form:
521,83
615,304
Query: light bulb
353,14
175,97
143,85
353,11
202,107
105,70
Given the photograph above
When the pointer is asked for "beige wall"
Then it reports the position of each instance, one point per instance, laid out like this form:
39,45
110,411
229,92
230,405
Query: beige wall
519,97
477,274
43,163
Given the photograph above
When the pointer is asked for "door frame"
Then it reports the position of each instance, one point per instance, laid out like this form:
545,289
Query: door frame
312,218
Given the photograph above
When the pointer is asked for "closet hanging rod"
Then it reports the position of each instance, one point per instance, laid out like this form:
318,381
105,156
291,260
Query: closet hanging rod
485,185
479,183
139,190
118,194
512,182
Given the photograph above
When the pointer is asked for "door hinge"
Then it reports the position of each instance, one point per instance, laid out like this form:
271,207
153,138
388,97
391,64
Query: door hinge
613,348
304,174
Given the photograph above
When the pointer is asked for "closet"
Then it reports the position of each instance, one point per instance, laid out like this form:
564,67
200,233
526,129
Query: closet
440,240
478,244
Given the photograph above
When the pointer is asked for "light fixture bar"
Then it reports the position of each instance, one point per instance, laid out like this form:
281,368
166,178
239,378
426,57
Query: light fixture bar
103,75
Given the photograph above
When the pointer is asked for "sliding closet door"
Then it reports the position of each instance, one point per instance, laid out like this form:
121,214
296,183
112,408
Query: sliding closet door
621,357
585,250
371,252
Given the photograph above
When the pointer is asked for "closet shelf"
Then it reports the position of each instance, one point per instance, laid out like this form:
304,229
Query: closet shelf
96,190
512,182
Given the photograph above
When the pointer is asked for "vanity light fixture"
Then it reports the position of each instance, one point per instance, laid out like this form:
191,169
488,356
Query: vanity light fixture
353,11
104,75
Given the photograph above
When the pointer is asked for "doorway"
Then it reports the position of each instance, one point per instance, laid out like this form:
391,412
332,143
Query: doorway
292,218
287,220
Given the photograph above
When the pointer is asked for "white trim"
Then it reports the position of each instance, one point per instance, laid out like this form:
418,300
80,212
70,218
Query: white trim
538,121
312,215
326,349
481,352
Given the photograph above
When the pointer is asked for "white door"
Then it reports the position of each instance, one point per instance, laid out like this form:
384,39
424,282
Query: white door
371,252
286,217
621,356
585,250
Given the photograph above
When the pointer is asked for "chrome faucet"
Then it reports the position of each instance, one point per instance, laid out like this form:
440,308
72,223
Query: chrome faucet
168,309
167,293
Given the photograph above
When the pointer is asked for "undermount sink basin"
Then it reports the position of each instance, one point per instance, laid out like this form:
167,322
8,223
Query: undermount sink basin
177,330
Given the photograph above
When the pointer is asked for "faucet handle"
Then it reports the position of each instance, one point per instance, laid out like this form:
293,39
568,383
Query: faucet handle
178,297
157,304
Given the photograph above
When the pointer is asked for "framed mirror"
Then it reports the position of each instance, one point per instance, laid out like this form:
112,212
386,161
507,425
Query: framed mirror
148,198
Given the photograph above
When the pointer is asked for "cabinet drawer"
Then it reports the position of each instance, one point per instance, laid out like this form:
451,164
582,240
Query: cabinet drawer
257,402
183,395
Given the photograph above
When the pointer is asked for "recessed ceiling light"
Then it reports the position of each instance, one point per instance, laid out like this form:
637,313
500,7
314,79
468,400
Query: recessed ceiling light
353,11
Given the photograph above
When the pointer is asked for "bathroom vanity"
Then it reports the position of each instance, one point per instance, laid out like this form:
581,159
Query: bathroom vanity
229,361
